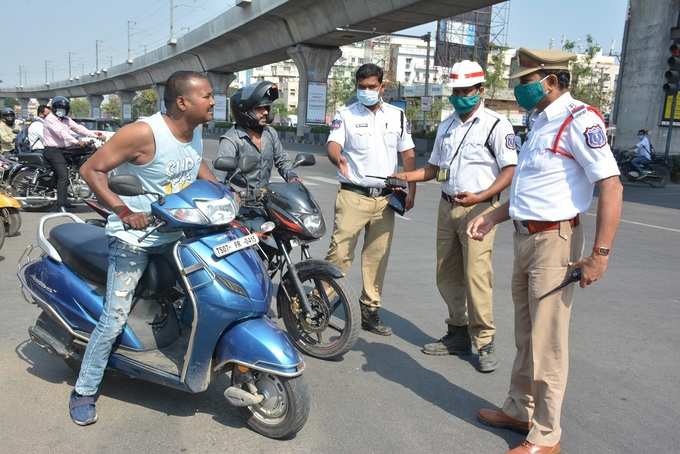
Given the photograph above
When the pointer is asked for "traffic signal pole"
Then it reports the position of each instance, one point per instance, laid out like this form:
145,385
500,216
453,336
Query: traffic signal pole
669,133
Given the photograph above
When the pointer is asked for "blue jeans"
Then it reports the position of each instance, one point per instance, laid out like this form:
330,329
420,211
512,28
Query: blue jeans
638,162
127,263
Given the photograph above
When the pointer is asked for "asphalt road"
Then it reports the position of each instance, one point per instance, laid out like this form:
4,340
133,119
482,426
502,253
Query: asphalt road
385,396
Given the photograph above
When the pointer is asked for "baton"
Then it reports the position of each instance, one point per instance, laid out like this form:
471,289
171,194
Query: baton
574,276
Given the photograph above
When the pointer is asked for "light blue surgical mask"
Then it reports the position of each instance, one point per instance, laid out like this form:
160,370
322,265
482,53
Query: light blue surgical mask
529,95
368,97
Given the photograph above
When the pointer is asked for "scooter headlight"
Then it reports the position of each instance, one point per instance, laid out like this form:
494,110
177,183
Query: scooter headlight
219,212
314,224
189,215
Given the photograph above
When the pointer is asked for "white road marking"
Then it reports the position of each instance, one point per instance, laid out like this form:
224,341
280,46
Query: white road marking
652,226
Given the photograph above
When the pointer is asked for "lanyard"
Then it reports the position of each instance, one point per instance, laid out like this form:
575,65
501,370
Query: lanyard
462,140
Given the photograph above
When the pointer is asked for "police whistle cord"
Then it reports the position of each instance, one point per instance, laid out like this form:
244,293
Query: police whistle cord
574,276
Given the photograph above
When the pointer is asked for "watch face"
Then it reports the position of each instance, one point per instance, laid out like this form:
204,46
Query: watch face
602,251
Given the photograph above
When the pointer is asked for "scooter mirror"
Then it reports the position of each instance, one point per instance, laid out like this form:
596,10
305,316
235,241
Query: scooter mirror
126,185
304,160
225,164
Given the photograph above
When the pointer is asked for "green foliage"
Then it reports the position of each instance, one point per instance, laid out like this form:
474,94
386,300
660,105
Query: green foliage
112,107
280,109
494,72
80,108
144,104
587,83
10,102
339,92
322,129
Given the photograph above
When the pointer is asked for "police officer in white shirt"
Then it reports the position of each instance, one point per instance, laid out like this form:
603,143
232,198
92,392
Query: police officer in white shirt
565,154
474,158
365,140
35,129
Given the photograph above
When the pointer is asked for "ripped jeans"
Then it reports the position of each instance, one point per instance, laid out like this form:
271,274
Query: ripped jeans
127,264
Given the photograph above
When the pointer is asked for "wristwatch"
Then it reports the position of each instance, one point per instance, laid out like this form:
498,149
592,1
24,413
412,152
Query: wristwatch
604,251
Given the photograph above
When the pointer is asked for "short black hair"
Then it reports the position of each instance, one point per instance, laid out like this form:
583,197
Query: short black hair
177,85
369,70
563,77
42,108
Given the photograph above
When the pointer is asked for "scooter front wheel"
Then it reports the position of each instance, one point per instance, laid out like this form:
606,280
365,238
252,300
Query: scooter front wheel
284,409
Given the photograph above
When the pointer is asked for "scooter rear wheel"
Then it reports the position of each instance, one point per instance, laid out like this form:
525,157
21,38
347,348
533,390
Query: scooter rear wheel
285,408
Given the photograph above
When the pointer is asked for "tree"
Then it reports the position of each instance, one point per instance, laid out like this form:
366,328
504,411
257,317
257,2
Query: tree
495,72
144,104
10,102
280,110
587,80
340,91
111,108
79,108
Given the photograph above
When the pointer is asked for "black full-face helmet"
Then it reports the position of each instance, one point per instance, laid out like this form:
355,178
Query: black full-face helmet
7,115
61,106
247,99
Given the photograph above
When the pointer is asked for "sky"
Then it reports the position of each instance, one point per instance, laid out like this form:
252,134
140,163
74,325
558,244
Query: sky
36,31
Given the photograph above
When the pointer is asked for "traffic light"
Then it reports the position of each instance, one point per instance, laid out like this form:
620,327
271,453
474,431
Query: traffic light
672,75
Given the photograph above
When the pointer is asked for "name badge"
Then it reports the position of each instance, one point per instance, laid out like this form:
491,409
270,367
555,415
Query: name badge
361,125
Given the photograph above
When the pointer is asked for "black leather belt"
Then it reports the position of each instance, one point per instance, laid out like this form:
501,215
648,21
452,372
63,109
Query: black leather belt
366,192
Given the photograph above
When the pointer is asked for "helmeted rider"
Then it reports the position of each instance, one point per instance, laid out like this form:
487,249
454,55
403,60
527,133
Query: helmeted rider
7,133
252,135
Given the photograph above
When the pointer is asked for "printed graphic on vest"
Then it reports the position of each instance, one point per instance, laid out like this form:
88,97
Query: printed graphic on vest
510,141
595,137
180,174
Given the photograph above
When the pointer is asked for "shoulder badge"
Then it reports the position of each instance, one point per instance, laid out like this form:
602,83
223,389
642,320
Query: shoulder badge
595,136
510,141
577,110
335,124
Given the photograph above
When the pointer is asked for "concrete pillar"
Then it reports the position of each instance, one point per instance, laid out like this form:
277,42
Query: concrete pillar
160,94
126,98
313,65
220,82
95,105
24,107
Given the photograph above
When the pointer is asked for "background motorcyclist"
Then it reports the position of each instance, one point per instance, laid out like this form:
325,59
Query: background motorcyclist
252,135
7,134
61,132
643,152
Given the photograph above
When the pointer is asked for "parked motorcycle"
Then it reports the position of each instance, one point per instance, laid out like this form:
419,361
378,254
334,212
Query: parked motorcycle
199,311
654,173
35,183
10,216
319,311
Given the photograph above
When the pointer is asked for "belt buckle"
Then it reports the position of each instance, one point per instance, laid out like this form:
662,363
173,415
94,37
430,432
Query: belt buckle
374,192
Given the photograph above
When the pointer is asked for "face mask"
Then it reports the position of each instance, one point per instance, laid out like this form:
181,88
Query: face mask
368,97
464,104
61,113
528,95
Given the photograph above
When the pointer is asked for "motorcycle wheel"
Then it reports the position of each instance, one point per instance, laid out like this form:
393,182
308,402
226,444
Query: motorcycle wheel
285,408
12,221
660,178
336,327
2,234
20,187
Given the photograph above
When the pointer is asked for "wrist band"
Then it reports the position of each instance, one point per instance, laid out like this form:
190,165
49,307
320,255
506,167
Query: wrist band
125,212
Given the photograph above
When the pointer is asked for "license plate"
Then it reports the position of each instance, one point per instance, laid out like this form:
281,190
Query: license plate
235,245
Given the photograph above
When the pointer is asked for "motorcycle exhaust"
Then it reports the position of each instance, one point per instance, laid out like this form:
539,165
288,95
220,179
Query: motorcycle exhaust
241,398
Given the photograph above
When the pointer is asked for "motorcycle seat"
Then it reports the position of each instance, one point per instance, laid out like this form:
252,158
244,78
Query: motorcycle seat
32,159
84,248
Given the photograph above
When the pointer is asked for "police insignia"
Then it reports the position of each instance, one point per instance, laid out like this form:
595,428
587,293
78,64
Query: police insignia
335,124
510,141
595,137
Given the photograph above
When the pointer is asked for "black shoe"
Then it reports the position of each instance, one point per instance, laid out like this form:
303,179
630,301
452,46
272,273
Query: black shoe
370,321
487,361
455,342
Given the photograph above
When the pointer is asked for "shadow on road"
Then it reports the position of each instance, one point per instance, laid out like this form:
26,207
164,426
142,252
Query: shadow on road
165,400
398,367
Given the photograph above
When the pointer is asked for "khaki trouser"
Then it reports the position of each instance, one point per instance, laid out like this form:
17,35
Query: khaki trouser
464,270
539,373
354,213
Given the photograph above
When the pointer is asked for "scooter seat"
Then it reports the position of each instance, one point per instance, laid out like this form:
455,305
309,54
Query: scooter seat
84,248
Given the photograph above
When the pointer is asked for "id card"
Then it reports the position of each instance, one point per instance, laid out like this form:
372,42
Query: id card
443,174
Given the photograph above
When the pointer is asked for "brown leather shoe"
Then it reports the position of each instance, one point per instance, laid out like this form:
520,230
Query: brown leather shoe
530,448
496,418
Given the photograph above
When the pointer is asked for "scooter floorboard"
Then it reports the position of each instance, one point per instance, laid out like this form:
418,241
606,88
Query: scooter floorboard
167,359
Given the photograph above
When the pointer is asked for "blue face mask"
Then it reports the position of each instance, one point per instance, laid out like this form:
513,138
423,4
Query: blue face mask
528,95
464,104
368,97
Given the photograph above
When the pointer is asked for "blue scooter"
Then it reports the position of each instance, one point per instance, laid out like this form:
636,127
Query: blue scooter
199,311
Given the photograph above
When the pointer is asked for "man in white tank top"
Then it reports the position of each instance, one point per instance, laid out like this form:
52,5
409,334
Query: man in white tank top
165,152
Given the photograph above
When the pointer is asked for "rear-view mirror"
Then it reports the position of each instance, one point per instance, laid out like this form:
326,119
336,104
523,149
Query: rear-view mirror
304,160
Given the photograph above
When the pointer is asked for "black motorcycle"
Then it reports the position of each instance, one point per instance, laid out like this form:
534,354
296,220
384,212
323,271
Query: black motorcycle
655,173
320,313
34,181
